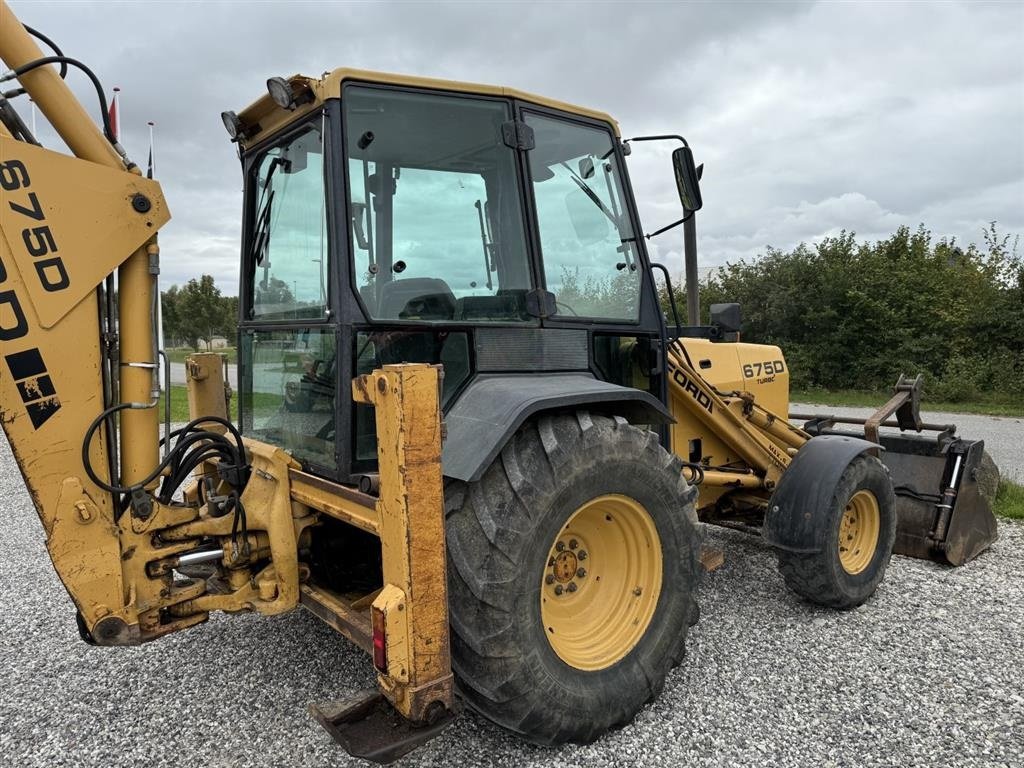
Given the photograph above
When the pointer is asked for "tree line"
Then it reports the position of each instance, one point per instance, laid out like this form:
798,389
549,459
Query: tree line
196,313
854,315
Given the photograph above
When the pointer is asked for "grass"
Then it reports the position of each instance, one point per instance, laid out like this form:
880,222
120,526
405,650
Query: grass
1010,500
989,404
179,355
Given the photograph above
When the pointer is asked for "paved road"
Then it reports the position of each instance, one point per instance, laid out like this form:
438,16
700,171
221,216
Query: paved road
1003,435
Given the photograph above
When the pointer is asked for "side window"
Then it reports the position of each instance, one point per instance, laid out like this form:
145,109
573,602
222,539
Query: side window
434,197
287,390
587,240
288,248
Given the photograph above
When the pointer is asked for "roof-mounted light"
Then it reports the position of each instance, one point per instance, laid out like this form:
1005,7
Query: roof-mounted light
237,130
288,94
281,92
232,125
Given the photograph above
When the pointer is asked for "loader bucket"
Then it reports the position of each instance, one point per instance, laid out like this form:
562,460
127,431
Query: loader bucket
932,522
944,486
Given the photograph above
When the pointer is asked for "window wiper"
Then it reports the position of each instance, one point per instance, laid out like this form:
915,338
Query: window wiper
591,194
261,230
261,236
487,245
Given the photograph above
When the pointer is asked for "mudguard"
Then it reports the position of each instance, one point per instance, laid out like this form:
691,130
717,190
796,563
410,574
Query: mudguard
494,406
806,487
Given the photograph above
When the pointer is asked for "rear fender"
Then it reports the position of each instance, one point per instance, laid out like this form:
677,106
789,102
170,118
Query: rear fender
494,406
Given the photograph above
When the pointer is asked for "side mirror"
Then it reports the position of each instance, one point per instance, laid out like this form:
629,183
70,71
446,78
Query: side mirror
687,179
726,317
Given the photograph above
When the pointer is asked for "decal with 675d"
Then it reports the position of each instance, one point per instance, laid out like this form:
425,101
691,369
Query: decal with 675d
26,367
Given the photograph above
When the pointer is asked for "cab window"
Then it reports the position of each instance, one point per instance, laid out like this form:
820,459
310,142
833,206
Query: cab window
436,224
587,240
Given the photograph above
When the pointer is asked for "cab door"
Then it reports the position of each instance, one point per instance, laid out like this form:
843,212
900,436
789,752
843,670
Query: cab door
591,258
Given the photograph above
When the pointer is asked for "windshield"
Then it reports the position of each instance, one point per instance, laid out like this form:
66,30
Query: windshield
436,218
288,246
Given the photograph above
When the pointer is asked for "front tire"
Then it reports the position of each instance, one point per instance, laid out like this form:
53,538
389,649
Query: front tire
582,500
859,532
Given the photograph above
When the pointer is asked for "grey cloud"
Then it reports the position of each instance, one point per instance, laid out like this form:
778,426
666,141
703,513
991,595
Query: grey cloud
809,117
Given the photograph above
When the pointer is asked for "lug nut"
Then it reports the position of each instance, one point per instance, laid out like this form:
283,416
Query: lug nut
551,562
638,591
558,589
550,578
560,546
581,572
573,543
581,555
572,586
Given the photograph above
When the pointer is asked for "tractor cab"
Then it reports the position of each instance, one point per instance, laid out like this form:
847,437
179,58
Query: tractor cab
405,220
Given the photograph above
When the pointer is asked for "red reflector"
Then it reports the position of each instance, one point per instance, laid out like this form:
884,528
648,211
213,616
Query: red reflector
380,646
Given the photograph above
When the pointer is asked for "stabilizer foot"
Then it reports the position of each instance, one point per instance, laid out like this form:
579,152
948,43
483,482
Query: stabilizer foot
368,727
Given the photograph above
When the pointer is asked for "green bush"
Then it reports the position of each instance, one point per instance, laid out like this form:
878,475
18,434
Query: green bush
852,315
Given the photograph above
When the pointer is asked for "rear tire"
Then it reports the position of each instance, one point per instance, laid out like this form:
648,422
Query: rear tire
503,536
859,532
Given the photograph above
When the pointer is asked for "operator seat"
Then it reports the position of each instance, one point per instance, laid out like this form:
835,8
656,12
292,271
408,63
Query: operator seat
416,298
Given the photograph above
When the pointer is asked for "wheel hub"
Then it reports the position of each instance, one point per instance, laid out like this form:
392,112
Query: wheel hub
858,532
565,567
601,582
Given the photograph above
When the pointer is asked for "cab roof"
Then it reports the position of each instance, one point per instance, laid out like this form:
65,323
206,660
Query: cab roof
270,118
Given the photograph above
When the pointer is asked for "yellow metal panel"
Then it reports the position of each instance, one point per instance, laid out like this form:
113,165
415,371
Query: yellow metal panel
411,509
768,383
341,614
340,502
207,395
724,374
69,223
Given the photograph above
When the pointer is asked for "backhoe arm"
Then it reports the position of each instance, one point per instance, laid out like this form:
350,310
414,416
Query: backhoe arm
66,223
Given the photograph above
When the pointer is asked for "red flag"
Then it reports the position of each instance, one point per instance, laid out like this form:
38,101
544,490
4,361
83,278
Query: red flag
115,123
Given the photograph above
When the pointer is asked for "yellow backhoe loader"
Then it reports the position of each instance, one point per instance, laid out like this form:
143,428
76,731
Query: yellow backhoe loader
469,438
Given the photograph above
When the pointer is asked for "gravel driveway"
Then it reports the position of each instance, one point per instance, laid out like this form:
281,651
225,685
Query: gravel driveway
930,672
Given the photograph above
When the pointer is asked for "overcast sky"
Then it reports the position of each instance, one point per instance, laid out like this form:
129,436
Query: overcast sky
810,117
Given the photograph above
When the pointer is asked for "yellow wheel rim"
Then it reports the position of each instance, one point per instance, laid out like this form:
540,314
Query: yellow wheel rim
601,582
858,532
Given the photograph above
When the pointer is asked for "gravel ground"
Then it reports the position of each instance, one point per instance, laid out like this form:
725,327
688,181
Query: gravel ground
929,672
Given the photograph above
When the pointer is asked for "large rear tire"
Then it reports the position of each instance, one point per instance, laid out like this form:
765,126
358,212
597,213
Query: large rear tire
859,532
572,569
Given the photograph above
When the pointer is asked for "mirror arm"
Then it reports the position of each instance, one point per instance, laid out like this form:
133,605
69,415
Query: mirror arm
673,225
665,137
